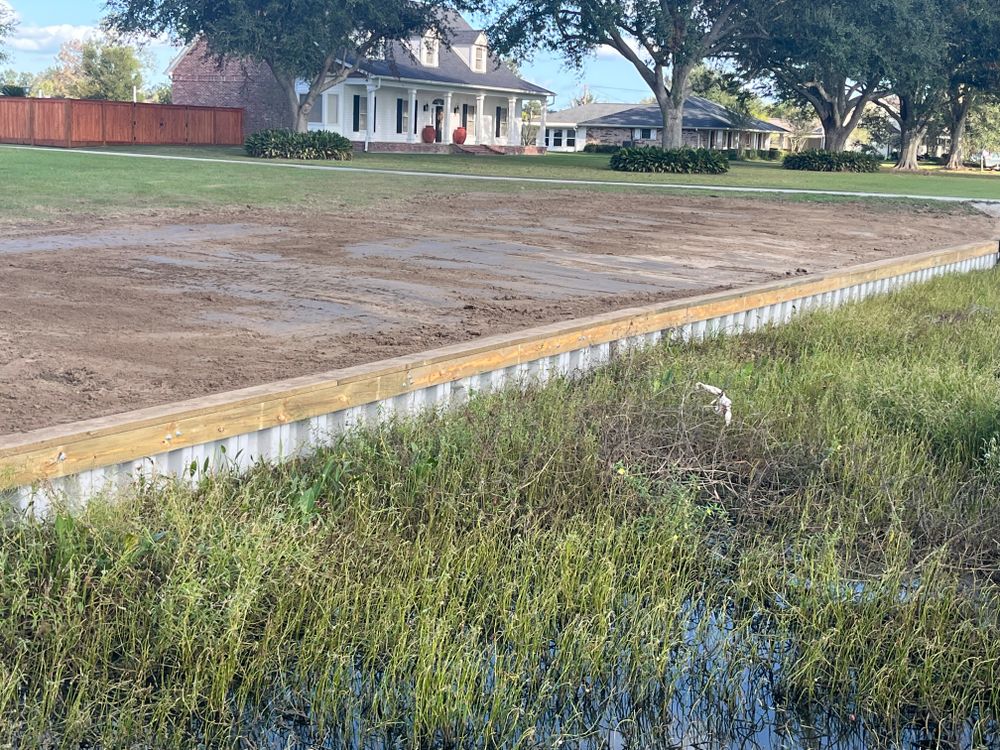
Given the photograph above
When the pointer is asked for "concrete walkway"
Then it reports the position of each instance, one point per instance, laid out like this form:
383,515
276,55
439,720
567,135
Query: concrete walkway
979,202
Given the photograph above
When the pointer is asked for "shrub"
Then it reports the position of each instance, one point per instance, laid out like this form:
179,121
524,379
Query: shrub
287,144
11,90
774,154
601,148
832,161
677,161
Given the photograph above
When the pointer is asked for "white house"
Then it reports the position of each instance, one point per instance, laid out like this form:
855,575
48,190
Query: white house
387,104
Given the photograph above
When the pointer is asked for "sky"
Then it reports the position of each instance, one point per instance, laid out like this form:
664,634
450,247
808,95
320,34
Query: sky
46,24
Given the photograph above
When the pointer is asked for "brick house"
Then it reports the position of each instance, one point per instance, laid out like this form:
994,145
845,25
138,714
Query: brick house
705,125
415,100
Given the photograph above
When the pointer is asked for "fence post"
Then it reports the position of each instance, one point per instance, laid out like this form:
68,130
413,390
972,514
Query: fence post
32,106
68,106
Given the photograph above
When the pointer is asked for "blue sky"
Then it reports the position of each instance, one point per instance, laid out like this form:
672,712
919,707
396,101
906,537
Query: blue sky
46,24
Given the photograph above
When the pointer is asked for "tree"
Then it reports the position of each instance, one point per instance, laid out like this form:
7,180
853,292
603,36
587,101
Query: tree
881,130
8,22
665,40
531,117
727,89
982,132
825,55
94,69
586,97
109,71
975,65
319,41
919,69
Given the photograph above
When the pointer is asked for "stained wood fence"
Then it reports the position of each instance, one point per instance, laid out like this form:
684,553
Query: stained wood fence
78,122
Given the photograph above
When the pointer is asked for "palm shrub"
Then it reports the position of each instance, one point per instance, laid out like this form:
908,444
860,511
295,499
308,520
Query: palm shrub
676,161
832,161
278,143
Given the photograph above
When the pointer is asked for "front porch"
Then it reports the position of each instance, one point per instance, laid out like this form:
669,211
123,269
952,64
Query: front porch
390,147
379,116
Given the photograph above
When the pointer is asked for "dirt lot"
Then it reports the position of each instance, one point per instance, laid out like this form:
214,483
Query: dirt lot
112,316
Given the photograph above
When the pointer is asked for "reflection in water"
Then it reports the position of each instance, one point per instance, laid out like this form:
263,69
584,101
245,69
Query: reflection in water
723,689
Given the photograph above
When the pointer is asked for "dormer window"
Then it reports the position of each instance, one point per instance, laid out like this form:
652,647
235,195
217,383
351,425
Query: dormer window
429,52
479,59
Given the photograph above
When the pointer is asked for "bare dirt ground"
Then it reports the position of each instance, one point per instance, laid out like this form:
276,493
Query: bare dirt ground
98,318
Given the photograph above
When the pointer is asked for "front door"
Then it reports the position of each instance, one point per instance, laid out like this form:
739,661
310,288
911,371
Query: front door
439,123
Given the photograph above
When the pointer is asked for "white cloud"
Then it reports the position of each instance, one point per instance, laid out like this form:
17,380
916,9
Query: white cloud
48,39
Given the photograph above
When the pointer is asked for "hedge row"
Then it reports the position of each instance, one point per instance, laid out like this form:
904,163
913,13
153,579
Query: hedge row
601,148
754,154
287,144
833,161
678,161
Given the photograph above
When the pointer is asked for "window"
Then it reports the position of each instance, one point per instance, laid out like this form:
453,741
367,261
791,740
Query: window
571,138
316,113
468,113
402,115
557,138
548,136
430,51
644,134
479,60
360,114
502,121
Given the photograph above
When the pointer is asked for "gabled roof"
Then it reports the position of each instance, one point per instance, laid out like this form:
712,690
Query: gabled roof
450,69
699,113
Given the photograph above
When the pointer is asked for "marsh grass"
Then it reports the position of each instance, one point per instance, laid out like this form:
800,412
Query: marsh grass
514,572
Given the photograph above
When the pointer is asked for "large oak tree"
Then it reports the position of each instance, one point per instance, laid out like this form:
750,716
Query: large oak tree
665,40
321,42
826,55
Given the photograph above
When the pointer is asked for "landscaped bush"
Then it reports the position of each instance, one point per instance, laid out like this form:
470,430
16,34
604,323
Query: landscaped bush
287,144
832,161
11,90
677,161
601,148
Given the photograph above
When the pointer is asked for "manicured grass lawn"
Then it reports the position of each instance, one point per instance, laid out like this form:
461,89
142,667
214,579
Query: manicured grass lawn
52,183
930,182
542,563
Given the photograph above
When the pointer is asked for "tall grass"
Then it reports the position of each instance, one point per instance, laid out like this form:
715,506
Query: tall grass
517,571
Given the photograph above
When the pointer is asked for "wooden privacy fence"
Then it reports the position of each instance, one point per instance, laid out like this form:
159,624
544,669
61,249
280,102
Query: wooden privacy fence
281,420
81,122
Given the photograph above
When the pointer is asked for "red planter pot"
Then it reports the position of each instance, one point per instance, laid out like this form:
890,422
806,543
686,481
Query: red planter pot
428,134
460,135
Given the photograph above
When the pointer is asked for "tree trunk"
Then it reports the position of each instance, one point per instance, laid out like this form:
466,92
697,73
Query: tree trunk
959,119
672,135
835,135
910,140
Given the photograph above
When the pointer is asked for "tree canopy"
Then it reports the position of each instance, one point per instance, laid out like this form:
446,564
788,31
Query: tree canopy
319,41
826,55
8,22
665,40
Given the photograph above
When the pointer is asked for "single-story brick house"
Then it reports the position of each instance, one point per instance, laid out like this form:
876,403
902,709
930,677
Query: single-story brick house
387,104
706,125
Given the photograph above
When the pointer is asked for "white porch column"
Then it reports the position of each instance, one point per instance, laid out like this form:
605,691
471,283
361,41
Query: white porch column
446,135
480,106
411,124
370,134
513,123
540,139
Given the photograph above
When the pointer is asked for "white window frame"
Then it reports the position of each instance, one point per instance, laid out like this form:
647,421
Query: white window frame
430,52
362,114
479,58
332,109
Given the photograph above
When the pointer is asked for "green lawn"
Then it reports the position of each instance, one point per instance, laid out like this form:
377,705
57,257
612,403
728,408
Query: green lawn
43,183
930,182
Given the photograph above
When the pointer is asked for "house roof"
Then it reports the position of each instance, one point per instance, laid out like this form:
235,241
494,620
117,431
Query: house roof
817,130
586,112
699,113
450,69
400,63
